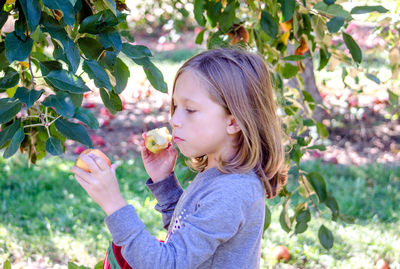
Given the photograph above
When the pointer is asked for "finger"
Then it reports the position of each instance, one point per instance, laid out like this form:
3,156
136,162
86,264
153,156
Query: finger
82,182
78,171
114,167
90,162
101,163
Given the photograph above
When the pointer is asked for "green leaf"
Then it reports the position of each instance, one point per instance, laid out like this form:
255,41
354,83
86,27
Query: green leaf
66,8
73,131
32,11
267,221
393,98
98,22
67,81
296,57
28,97
8,109
296,154
289,70
17,49
373,78
90,47
325,237
353,47
287,7
15,143
121,74
135,51
87,117
111,101
368,9
284,219
99,265
324,56
268,24
9,80
76,98
97,73
54,146
47,66
200,36
308,122
62,102
7,265
56,30
227,17
307,96
335,24
111,38
300,227
303,215
155,77
7,133
318,184
213,12
332,204
319,147
3,17
332,10
321,130
199,12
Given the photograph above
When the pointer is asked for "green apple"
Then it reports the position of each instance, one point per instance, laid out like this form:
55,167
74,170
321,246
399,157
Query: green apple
157,140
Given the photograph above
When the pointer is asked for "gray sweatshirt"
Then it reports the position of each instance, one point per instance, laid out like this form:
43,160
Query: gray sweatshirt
217,222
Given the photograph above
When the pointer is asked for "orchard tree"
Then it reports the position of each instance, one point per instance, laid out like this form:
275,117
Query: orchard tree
57,46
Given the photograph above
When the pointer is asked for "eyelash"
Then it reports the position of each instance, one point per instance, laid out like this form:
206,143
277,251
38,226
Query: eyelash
190,111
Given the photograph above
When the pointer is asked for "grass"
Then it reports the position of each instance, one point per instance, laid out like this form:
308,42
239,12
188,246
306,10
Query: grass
47,217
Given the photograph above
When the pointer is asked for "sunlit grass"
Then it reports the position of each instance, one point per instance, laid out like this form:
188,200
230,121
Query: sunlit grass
46,216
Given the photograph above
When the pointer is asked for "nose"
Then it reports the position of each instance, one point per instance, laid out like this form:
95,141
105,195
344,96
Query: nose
174,121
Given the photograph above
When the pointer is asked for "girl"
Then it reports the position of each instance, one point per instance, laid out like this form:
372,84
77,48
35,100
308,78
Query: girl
223,117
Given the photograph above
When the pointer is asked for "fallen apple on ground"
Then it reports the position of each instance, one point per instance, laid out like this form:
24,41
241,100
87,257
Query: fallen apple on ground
82,165
157,140
281,252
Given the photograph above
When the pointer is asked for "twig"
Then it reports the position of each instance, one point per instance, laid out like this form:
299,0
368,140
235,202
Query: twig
309,195
54,120
33,125
37,104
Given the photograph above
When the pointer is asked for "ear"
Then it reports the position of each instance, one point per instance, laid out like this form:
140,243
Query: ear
232,126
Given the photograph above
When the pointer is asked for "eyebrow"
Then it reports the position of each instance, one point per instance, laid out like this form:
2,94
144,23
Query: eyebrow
186,100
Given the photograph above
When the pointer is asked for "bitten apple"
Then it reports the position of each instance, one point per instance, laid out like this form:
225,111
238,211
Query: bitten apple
81,164
157,140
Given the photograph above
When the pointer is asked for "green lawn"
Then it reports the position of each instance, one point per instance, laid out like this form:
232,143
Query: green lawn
47,216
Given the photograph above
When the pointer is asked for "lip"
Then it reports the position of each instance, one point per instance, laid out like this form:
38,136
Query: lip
177,139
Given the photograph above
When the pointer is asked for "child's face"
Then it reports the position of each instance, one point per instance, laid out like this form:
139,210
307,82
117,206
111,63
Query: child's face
201,123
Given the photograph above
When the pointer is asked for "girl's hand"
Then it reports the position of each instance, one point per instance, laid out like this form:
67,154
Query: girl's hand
101,183
160,165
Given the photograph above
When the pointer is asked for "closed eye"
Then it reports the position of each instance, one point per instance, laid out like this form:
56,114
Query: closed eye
187,109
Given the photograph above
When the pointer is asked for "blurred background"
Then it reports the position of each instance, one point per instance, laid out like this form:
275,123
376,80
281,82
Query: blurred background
47,219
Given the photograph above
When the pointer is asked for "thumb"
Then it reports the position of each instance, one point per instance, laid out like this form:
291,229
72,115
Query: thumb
114,167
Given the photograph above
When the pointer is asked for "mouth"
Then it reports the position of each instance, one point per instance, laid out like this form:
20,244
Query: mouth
177,139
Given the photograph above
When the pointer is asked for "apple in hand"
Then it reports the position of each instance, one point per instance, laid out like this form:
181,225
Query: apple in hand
157,140
81,164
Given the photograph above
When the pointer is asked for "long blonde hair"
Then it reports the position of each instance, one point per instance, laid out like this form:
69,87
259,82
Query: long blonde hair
240,82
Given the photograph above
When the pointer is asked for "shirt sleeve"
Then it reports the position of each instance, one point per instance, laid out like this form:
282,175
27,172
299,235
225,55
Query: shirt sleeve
217,218
167,193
